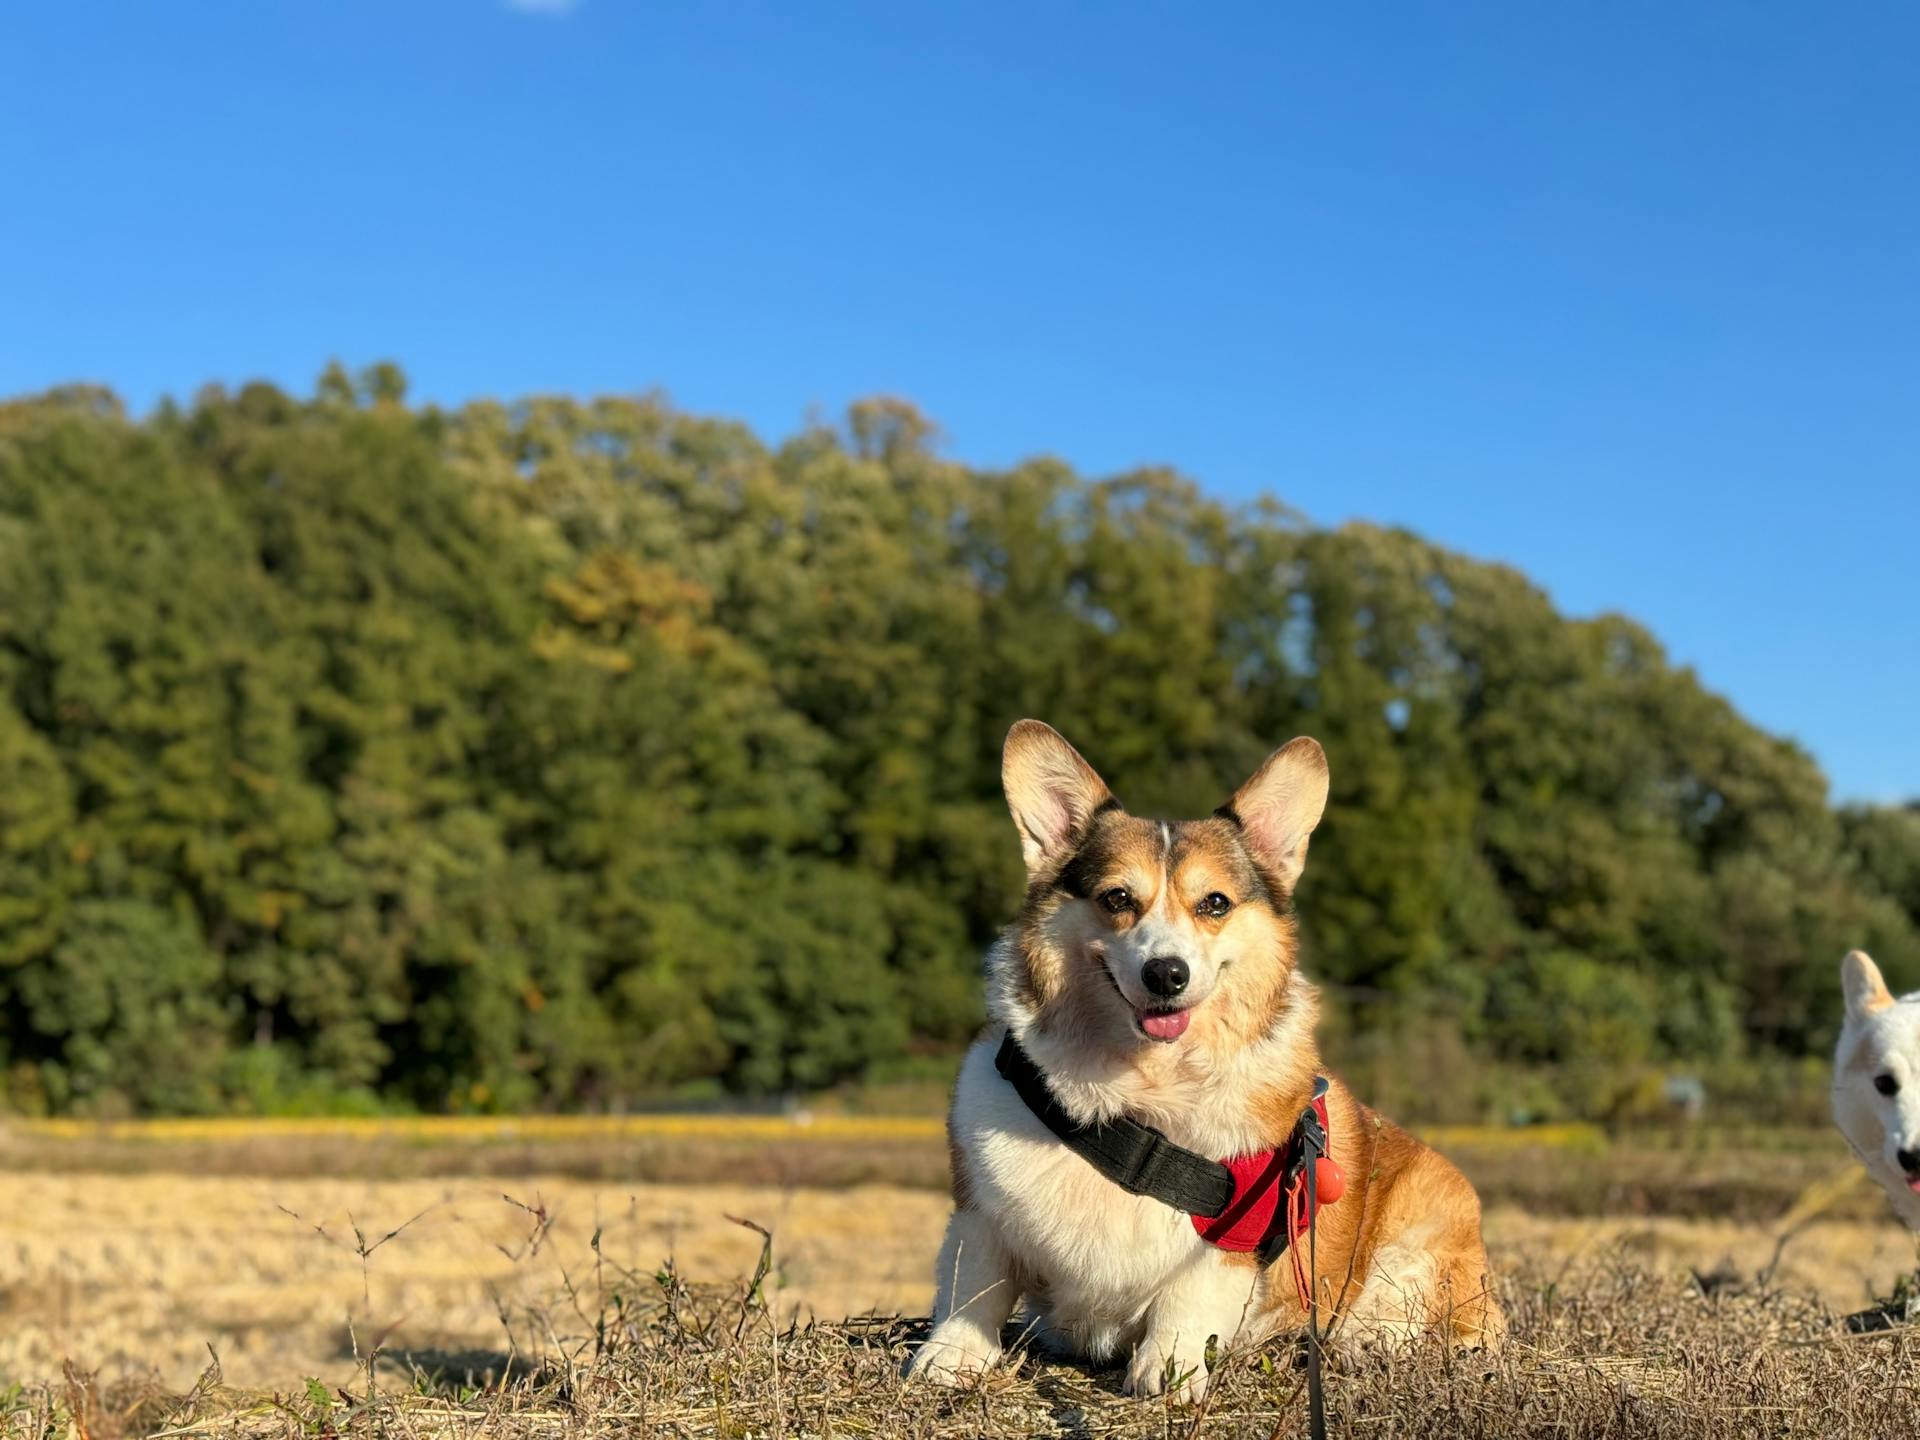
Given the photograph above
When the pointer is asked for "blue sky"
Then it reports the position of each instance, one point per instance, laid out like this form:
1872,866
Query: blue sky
1627,295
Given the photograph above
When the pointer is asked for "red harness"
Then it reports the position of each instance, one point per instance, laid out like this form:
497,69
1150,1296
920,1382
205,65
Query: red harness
1259,1182
1264,1180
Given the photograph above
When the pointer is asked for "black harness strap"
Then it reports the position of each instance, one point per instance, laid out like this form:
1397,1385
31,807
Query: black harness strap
1136,1157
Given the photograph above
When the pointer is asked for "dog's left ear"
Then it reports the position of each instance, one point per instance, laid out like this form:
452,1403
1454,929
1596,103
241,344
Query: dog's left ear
1278,808
1865,987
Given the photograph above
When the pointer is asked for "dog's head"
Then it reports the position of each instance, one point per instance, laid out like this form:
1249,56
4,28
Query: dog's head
1140,932
1876,1081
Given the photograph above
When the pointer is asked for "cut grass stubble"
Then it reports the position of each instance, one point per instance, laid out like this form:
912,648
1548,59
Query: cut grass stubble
1628,1318
1600,1347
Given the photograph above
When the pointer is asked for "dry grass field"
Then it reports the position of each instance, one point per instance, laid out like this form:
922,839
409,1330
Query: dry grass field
562,1281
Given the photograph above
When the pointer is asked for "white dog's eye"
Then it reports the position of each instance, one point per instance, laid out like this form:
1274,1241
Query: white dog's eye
1886,1084
1117,900
1214,906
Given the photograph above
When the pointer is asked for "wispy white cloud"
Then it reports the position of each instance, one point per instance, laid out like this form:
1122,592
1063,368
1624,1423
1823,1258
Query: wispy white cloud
543,7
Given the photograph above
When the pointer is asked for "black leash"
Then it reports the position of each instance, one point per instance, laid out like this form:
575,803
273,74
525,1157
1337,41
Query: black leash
1313,1142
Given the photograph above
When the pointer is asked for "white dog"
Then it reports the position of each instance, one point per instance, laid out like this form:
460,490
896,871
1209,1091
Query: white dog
1876,1083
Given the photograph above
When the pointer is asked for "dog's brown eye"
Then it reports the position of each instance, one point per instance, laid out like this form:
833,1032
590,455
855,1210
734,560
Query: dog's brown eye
1215,905
1117,899
1886,1084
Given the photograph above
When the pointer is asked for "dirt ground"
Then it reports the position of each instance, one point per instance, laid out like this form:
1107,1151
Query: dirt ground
143,1272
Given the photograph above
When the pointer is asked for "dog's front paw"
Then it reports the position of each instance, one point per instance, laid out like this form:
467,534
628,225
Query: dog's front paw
1159,1369
953,1355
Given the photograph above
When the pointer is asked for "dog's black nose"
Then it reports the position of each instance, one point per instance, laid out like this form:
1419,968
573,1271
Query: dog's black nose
1164,975
1909,1159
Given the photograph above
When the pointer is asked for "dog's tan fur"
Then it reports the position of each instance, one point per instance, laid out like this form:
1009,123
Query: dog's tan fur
1105,1273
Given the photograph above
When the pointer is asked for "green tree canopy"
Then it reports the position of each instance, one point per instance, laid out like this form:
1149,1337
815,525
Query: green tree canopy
556,752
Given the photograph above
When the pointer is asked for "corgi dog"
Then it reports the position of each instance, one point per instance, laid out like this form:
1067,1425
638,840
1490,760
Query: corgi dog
1876,1082
1151,986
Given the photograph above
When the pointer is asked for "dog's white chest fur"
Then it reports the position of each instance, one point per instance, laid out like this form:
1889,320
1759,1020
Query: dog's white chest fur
1094,1256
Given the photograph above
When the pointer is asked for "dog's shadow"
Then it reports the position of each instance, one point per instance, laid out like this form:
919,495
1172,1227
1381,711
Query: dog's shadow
454,1373
1076,1390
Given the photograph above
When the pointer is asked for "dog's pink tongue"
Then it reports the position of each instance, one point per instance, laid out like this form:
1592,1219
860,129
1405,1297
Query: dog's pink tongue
1170,1026
1913,1184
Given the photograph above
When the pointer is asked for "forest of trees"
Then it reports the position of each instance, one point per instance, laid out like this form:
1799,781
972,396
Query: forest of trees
562,753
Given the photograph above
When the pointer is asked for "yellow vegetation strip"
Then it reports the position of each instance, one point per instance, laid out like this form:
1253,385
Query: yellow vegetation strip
480,1129
498,1129
1573,1136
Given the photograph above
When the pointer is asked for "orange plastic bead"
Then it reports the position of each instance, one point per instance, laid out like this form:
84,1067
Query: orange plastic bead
1329,1180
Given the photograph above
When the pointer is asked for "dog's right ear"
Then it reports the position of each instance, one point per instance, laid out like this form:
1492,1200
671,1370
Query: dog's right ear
1052,792
1866,989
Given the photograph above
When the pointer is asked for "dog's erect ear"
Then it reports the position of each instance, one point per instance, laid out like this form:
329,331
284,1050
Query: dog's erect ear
1278,808
1866,990
1052,792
